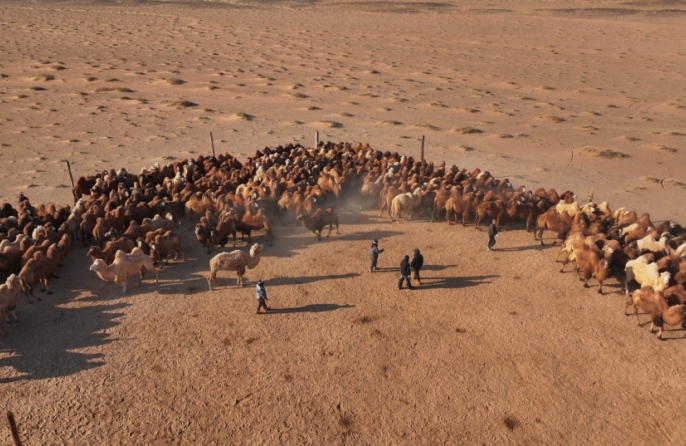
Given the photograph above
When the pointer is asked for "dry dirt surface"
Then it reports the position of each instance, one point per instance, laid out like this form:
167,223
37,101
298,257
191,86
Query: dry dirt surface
493,347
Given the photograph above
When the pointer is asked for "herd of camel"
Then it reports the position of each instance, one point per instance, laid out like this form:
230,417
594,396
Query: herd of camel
128,220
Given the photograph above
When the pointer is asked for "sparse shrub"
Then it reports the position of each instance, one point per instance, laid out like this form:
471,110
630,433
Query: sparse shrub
468,130
243,115
182,103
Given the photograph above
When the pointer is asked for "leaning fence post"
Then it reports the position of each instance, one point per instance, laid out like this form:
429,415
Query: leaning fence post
212,141
316,139
72,179
422,158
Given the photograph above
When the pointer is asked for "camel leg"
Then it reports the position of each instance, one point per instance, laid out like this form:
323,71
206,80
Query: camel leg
330,228
626,306
564,249
47,287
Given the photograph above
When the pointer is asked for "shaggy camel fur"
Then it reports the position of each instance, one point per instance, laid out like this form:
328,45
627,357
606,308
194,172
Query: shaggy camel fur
405,203
655,305
125,265
234,261
9,293
560,223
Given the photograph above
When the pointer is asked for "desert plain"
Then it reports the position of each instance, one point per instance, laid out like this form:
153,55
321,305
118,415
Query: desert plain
492,348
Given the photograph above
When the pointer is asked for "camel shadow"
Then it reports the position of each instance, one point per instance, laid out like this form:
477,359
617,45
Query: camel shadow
312,308
455,282
43,345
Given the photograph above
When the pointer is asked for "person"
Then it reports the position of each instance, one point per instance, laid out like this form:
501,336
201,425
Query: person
416,265
374,252
492,234
261,296
22,197
405,273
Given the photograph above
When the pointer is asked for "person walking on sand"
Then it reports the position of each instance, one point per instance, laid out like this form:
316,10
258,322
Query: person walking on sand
416,265
261,296
492,234
374,252
405,273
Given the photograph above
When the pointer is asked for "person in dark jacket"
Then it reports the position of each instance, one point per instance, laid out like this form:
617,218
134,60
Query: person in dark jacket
374,252
405,273
261,296
416,265
492,234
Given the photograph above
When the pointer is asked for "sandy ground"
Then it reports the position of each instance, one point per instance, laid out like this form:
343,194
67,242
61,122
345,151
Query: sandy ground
494,348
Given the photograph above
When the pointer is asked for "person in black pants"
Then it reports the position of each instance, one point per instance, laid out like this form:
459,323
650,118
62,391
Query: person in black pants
416,265
405,273
374,252
492,234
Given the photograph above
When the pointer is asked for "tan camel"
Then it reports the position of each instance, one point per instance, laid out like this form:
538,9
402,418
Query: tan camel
234,261
125,265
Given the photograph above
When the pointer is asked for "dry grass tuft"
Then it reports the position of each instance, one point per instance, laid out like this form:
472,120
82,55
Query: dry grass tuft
465,148
468,130
665,148
364,320
299,95
511,423
426,126
175,81
44,77
332,124
392,122
182,103
243,115
604,153
555,119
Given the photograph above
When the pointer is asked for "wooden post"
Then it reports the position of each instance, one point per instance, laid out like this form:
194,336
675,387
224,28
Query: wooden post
13,428
316,139
422,148
72,179
212,141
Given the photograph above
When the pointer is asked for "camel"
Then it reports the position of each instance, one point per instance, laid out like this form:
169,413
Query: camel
405,202
124,265
234,261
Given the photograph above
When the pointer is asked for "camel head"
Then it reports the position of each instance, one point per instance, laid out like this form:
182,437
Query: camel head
665,277
98,265
256,249
12,281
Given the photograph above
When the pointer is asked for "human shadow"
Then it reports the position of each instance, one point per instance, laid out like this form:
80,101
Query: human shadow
278,281
312,308
436,267
536,247
455,282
